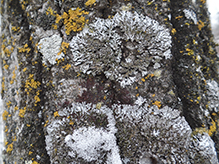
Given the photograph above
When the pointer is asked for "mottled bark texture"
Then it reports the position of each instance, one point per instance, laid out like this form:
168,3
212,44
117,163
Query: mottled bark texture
109,81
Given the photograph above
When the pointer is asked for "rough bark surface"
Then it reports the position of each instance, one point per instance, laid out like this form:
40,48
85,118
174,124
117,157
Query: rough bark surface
109,81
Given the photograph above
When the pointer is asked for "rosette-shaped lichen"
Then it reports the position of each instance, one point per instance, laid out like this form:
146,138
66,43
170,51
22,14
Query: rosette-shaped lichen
161,134
85,133
121,47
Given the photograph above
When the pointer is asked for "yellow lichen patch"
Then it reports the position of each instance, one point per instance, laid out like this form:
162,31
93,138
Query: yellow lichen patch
67,66
179,17
157,103
24,69
34,162
13,77
50,11
142,79
56,114
22,112
5,142
16,108
37,99
9,148
203,1
71,123
6,66
212,128
64,46
25,48
14,138
58,18
31,84
30,152
149,75
200,25
8,104
173,31
190,52
15,28
137,94
73,20
149,3
90,2
6,129
28,125
46,123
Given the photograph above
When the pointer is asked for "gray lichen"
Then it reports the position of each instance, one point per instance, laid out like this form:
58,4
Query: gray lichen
120,47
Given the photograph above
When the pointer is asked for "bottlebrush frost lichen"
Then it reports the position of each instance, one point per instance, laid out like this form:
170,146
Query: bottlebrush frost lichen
50,48
91,142
213,95
120,47
203,146
163,131
190,14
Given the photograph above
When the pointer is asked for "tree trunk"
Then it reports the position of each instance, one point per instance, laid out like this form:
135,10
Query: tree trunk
109,81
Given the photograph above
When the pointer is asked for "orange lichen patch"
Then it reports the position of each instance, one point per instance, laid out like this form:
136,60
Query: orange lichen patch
25,48
90,2
200,25
56,114
73,20
157,103
173,31
9,148
203,1
22,112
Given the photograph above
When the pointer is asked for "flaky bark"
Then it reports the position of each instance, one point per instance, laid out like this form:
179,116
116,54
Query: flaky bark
109,82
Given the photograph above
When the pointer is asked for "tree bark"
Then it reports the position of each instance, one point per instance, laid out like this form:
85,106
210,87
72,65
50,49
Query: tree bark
109,81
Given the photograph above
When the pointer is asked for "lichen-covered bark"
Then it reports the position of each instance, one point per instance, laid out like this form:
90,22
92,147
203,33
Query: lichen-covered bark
98,81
